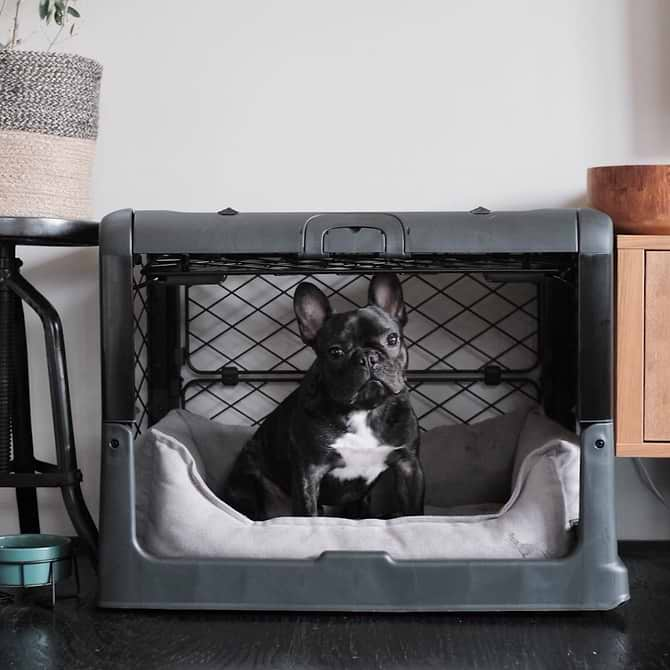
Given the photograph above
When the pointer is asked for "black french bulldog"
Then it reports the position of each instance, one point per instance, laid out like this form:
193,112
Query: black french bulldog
349,420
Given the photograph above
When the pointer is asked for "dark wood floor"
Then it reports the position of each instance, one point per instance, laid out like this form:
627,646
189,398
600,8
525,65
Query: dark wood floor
77,635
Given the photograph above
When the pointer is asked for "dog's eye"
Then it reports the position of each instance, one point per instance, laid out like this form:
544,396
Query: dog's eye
336,352
392,339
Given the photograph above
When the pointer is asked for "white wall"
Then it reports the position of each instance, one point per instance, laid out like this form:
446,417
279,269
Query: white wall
304,104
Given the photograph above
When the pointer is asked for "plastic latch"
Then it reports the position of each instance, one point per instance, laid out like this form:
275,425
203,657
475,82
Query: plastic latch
230,376
480,211
228,211
492,375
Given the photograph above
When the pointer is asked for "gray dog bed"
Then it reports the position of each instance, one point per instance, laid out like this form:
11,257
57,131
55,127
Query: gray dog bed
504,488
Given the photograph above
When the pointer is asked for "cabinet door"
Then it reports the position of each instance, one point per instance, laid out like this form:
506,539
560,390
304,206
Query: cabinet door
630,351
643,346
657,347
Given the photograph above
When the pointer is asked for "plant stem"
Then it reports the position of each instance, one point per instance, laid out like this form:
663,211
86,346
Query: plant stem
2,11
15,28
60,29
55,39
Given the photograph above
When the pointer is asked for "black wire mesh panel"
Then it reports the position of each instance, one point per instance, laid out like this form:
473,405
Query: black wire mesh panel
197,268
457,322
141,350
435,404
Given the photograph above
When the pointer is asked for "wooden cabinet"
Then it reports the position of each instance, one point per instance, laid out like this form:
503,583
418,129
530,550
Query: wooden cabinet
643,345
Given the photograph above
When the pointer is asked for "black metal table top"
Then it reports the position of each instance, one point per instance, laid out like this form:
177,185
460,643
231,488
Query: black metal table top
48,232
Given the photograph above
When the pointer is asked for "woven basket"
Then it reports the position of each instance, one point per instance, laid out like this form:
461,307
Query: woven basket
48,129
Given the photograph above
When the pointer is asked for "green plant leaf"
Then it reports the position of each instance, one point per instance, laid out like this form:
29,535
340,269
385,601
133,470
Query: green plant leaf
58,16
60,4
73,11
49,10
44,9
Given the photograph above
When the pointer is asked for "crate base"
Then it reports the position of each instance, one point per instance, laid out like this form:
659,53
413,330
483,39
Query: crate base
592,577
370,583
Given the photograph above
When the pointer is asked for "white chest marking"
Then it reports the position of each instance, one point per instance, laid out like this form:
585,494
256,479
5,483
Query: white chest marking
361,451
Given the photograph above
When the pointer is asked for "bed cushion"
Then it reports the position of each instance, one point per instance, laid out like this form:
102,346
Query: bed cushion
504,488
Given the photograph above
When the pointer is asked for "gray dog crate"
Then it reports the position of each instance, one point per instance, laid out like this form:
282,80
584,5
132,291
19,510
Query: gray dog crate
505,308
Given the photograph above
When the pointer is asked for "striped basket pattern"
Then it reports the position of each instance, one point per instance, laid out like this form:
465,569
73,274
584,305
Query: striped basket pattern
48,130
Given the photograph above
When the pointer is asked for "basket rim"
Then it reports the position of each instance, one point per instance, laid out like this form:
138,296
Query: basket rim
8,54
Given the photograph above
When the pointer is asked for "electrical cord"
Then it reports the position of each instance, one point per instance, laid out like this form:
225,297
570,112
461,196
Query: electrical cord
648,482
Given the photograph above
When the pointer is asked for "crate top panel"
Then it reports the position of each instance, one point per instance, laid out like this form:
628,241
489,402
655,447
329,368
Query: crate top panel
402,234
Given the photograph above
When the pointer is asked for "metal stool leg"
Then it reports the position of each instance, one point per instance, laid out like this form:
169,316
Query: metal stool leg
81,519
60,406
24,457
6,357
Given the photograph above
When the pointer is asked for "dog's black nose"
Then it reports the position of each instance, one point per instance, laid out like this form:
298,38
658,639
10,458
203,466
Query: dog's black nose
367,358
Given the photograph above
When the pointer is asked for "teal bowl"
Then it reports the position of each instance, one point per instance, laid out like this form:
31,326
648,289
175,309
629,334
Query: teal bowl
28,560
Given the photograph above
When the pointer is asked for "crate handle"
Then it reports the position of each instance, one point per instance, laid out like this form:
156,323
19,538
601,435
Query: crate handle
316,227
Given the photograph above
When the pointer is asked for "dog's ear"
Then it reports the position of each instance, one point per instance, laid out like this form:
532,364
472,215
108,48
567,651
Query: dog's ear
311,310
385,292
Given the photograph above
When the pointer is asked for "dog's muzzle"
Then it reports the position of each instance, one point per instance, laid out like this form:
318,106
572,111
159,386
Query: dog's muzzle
370,359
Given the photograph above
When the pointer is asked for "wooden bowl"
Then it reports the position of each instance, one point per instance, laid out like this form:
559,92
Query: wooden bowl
636,197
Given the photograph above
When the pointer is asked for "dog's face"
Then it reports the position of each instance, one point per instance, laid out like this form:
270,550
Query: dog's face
362,356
